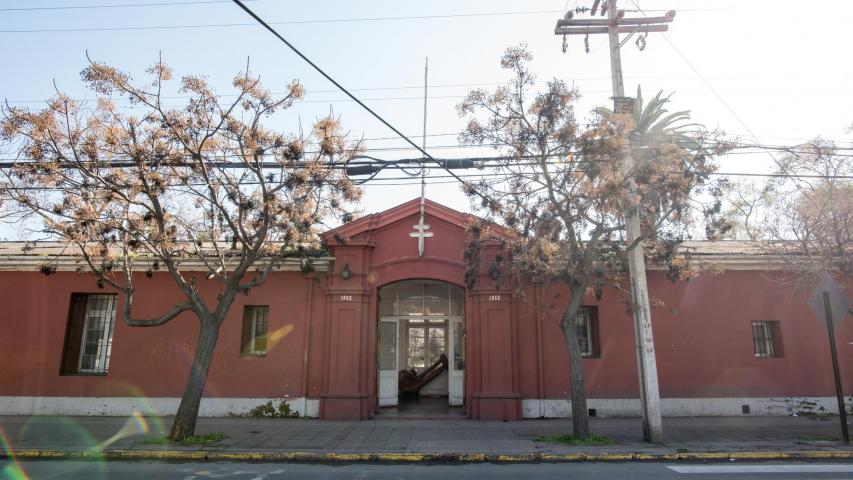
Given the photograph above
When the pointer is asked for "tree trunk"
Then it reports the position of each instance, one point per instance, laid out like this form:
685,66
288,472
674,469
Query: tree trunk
580,414
185,418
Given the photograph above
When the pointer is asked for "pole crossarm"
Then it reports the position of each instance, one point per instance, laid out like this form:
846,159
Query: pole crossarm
569,25
595,30
606,22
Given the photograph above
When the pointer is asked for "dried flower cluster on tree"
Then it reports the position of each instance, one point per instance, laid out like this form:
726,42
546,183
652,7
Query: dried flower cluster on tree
561,193
205,182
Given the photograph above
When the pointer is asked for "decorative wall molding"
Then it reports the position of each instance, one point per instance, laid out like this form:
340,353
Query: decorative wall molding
72,263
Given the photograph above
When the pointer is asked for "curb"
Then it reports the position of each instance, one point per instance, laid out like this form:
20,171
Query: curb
305,457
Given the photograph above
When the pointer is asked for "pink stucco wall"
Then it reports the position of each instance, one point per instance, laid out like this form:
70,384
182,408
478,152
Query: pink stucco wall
703,336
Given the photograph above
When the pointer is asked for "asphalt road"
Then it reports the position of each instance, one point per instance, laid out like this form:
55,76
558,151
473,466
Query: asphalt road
48,469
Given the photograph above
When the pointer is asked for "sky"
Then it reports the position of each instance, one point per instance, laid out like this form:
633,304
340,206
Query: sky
772,70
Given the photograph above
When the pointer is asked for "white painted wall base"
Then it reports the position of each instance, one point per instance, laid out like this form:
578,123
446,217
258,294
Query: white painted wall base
687,407
310,407
124,406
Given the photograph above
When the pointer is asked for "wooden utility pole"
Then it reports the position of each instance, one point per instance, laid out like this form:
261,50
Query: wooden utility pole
646,360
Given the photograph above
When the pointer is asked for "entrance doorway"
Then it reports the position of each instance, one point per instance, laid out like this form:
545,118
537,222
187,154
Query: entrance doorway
421,348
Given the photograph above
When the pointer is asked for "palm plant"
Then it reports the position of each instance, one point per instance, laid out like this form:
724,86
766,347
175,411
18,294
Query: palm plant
654,124
657,129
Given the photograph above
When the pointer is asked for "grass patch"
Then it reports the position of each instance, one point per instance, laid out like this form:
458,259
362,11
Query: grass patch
593,439
206,439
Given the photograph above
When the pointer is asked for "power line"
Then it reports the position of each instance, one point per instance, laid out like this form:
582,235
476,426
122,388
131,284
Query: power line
337,100
405,87
117,5
375,149
179,3
335,83
707,83
289,22
395,181
507,175
743,147
717,174
449,85
737,147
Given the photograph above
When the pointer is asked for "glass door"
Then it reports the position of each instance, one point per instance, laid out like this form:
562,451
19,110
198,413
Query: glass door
456,382
388,387
427,344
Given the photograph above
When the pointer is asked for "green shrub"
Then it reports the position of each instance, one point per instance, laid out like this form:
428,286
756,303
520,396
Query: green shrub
267,410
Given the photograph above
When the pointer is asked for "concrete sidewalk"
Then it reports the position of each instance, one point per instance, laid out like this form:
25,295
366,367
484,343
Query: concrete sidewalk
410,440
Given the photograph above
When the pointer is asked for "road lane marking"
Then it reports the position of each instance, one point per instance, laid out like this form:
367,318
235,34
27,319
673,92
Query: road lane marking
771,468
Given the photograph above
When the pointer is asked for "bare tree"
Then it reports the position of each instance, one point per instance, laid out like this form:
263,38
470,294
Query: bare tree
562,191
803,216
205,182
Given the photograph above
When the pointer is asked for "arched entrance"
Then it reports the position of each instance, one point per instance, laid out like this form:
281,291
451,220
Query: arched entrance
374,255
421,347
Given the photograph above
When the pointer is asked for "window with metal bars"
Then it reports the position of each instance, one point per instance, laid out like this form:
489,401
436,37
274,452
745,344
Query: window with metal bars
586,322
89,334
255,326
767,339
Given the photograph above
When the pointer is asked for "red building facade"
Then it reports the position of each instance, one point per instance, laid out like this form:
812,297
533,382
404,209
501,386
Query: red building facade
729,344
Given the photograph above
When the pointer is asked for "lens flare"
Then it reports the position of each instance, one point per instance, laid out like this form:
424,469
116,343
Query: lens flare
14,470
135,425
64,433
141,404
56,432
277,335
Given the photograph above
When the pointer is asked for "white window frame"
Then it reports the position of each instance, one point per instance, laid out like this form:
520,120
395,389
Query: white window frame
107,317
422,314
767,340
584,316
431,322
256,311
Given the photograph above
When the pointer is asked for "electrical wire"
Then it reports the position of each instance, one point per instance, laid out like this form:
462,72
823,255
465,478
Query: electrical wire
289,22
707,84
335,83
337,100
738,148
405,87
508,175
191,2
117,5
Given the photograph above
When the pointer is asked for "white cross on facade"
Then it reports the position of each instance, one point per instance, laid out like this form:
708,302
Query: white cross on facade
421,234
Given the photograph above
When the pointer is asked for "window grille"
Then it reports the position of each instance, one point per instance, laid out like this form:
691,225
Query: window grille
586,323
89,334
255,327
766,339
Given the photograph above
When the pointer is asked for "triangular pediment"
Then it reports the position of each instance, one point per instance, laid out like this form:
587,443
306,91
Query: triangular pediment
396,214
